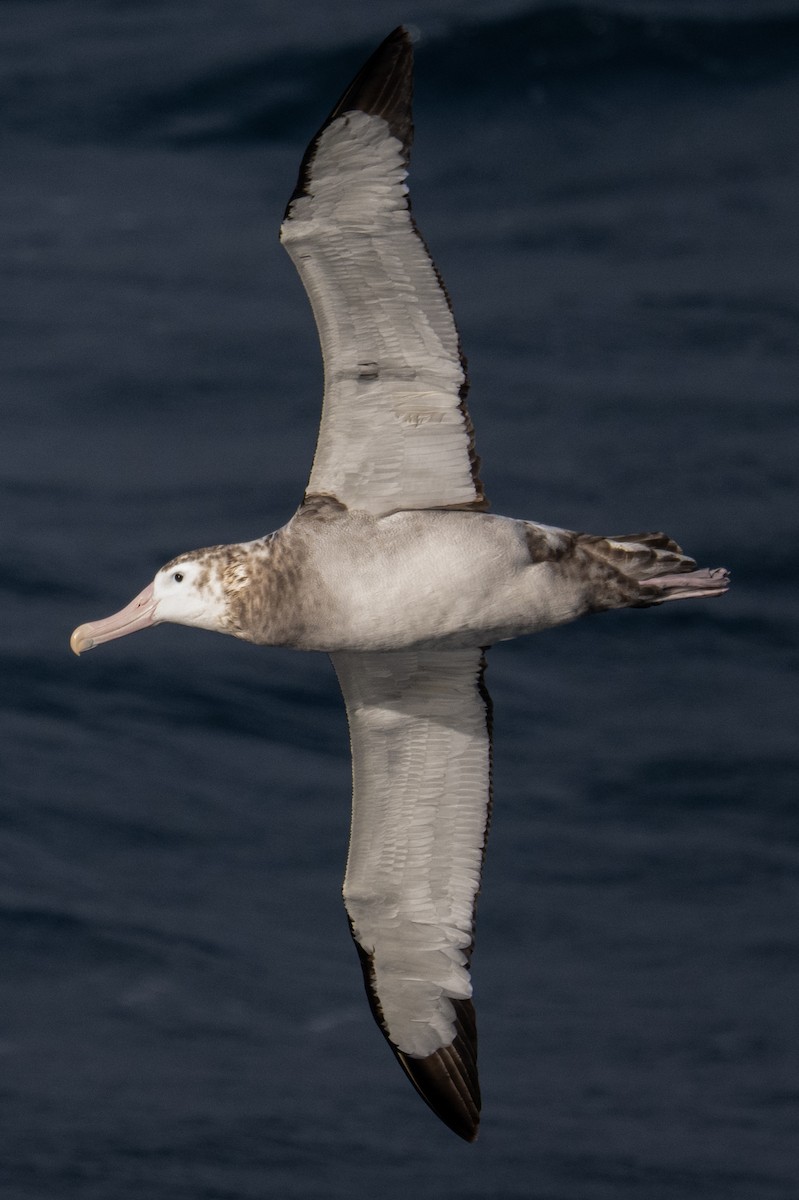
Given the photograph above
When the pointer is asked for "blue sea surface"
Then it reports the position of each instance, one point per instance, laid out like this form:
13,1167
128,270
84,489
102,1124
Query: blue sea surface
611,193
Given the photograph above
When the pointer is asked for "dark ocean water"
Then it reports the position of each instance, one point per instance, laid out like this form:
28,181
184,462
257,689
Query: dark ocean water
611,194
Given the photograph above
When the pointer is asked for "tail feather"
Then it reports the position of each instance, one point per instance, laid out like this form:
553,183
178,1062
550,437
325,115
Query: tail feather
635,570
642,556
657,541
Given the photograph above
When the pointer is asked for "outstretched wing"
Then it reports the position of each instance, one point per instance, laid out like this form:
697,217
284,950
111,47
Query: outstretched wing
421,763
395,433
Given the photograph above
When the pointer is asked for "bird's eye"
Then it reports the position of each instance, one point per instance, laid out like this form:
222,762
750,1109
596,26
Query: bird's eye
178,577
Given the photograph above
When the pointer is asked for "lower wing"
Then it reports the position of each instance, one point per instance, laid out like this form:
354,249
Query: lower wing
420,728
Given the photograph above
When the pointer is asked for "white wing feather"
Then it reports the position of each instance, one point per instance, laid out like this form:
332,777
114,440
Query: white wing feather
395,433
419,728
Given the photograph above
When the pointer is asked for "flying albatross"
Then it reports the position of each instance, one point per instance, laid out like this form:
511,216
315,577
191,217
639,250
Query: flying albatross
393,567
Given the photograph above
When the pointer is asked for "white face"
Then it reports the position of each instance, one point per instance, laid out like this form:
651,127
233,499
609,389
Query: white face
187,593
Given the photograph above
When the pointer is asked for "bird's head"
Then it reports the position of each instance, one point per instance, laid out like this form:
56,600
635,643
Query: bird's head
187,591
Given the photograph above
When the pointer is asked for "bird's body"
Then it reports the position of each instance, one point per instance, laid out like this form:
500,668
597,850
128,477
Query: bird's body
335,580
392,566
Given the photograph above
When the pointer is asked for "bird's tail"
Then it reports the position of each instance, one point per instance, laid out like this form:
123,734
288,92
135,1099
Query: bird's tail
660,568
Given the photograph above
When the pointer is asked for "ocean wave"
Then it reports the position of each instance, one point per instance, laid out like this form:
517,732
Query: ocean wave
238,94
284,96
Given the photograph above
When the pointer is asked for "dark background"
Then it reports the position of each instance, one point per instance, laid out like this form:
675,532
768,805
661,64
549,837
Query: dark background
611,195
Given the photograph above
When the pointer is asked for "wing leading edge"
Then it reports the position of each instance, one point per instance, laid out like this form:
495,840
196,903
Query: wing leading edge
395,432
421,753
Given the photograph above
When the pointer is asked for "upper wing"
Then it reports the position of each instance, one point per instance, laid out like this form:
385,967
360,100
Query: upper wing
421,763
395,433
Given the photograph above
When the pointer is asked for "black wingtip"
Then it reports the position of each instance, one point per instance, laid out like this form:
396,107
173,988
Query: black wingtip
447,1080
383,88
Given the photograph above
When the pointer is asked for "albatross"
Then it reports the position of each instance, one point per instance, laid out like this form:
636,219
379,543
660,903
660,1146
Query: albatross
393,567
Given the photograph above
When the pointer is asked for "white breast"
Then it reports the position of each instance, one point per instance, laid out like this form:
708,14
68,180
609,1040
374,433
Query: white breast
424,579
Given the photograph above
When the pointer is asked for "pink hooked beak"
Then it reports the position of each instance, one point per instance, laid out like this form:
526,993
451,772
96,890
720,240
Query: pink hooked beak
136,615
